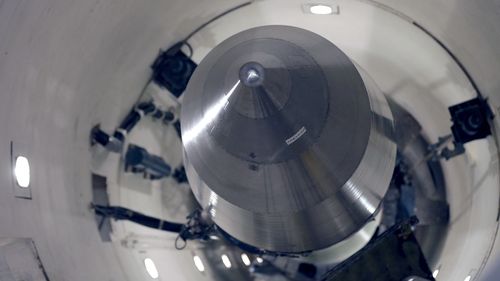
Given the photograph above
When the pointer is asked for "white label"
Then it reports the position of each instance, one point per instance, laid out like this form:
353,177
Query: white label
296,136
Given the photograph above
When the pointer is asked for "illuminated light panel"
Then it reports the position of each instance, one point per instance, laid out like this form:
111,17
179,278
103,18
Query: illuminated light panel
151,268
245,259
198,263
320,9
22,171
209,116
226,261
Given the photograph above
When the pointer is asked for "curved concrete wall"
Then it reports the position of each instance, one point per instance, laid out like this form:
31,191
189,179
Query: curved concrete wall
471,30
66,65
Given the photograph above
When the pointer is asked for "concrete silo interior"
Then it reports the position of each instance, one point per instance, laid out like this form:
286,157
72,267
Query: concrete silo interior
71,68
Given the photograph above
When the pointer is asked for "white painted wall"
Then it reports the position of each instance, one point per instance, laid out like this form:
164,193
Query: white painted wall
470,29
66,65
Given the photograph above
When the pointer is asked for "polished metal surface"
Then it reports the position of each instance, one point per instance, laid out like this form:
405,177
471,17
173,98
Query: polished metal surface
286,141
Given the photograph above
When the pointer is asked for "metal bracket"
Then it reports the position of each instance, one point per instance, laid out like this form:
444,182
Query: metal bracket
470,122
172,70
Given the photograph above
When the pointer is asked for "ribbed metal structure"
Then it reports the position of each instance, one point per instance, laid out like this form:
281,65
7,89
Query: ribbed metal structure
286,141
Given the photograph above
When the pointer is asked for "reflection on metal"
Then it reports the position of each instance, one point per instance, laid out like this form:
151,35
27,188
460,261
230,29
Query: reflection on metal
221,260
346,248
290,136
417,187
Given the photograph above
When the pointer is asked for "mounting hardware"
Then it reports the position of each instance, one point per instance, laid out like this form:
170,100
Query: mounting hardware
470,122
98,136
441,150
172,70
139,160
180,175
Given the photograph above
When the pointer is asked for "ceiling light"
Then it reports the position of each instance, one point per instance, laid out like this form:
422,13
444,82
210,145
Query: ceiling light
245,259
435,273
151,268
320,9
259,260
22,171
226,261
467,278
198,263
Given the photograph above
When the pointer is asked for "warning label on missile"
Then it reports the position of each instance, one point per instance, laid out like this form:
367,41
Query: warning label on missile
296,136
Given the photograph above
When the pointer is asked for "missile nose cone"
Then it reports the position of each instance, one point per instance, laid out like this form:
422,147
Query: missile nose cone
285,140
252,74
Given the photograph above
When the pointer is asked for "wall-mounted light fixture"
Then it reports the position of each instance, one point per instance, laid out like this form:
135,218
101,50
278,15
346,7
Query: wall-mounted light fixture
226,261
435,273
151,268
21,170
198,263
245,259
320,9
